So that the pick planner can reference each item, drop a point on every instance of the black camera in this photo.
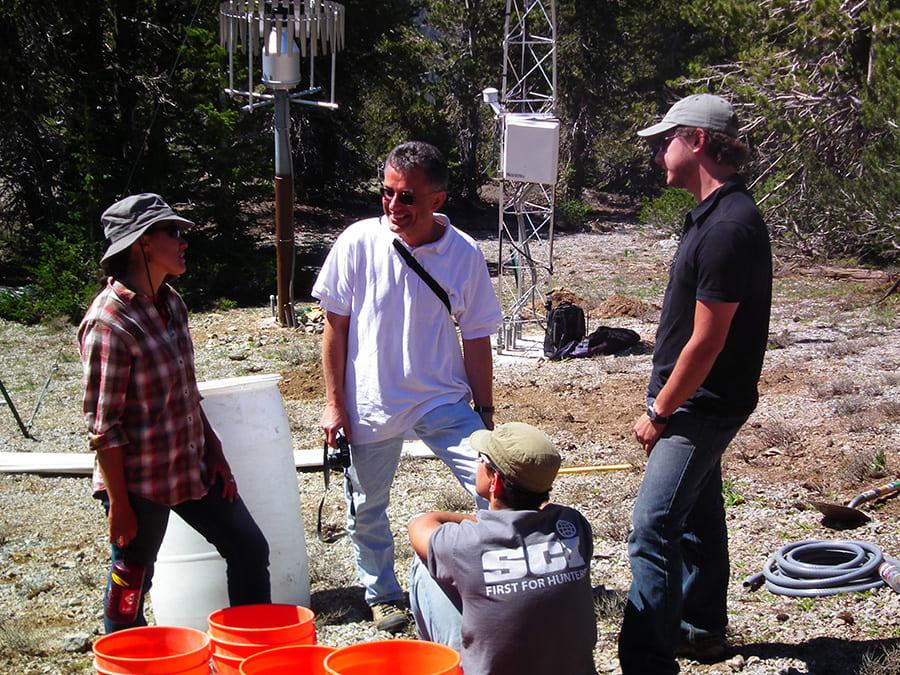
(333, 459)
(337, 459)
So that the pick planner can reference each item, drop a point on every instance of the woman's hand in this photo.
(219, 468)
(122, 524)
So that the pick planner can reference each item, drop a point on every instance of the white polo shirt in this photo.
(403, 351)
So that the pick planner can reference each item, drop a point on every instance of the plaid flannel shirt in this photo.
(140, 393)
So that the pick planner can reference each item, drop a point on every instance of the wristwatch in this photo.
(655, 417)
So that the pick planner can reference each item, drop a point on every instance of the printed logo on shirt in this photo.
(543, 562)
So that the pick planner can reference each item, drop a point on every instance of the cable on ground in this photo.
(817, 567)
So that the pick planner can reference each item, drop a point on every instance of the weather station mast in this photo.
(529, 131)
(283, 32)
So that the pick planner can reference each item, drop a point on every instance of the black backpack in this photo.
(605, 340)
(565, 329)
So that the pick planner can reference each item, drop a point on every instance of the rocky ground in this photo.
(826, 429)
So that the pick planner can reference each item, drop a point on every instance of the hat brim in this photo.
(480, 440)
(657, 129)
(125, 242)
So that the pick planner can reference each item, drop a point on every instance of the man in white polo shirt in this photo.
(391, 354)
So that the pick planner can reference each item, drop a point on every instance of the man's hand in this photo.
(334, 418)
(488, 419)
(421, 528)
(647, 433)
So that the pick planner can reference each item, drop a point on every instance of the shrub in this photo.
(666, 213)
(571, 213)
(64, 281)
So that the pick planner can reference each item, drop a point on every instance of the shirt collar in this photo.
(698, 214)
(439, 246)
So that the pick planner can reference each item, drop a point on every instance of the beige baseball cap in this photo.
(521, 452)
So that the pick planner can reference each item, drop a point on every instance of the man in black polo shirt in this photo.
(707, 361)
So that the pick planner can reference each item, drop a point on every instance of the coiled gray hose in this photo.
(820, 567)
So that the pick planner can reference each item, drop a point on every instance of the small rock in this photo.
(846, 617)
(76, 642)
(736, 663)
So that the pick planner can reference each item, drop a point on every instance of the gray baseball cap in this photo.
(126, 220)
(704, 111)
(522, 452)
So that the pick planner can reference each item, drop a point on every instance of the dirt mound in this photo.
(616, 306)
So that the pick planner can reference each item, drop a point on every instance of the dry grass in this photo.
(17, 638)
(828, 389)
(775, 433)
(609, 604)
(865, 465)
(885, 663)
(615, 526)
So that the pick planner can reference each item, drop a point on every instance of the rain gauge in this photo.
(283, 33)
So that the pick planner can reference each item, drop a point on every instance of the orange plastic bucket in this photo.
(393, 657)
(263, 624)
(227, 665)
(240, 651)
(221, 646)
(152, 650)
(306, 659)
(202, 669)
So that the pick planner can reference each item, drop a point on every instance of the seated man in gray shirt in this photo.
(509, 588)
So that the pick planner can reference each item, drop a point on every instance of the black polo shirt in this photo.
(724, 256)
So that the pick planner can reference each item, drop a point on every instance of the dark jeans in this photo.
(226, 525)
(678, 547)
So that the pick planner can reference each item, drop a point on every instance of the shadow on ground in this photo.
(844, 657)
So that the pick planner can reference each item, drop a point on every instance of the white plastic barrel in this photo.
(248, 415)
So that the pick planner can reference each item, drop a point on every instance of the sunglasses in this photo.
(172, 230)
(405, 198)
(484, 459)
(664, 143)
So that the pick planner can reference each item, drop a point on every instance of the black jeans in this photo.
(226, 525)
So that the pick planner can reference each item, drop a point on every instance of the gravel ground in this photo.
(826, 428)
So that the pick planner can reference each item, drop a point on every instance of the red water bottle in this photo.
(125, 590)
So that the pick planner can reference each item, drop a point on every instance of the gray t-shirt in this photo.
(525, 583)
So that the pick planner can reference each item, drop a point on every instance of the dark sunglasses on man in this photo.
(405, 198)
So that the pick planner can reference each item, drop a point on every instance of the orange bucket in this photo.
(202, 669)
(306, 659)
(263, 624)
(394, 657)
(227, 665)
(245, 649)
(152, 650)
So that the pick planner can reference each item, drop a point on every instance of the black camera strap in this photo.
(422, 272)
(326, 473)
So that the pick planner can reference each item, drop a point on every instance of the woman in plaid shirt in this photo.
(155, 448)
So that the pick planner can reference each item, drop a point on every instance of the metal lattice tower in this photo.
(282, 32)
(529, 155)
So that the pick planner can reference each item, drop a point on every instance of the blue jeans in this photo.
(678, 547)
(436, 607)
(367, 486)
(226, 525)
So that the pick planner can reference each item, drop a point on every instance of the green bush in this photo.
(666, 213)
(571, 214)
(64, 281)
